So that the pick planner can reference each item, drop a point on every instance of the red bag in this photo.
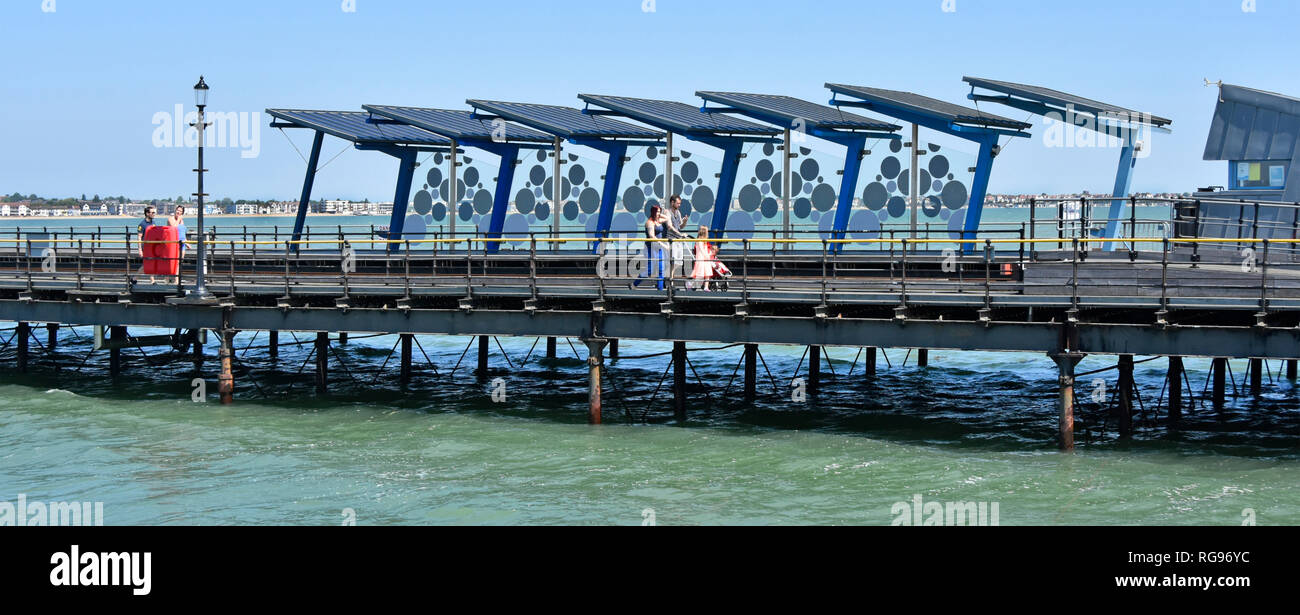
(161, 258)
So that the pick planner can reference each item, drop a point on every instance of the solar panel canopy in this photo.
(925, 105)
(354, 126)
(1063, 99)
(793, 109)
(677, 116)
(456, 124)
(564, 121)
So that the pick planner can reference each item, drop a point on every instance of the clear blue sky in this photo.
(81, 85)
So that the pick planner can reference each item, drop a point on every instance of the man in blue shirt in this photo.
(139, 236)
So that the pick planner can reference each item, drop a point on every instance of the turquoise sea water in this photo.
(973, 427)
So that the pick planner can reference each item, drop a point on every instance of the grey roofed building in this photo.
(1256, 133)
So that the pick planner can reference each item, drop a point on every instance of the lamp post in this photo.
(200, 292)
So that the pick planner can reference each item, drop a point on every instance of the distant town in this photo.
(32, 206)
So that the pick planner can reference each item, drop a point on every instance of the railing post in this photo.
(1075, 277)
(823, 272)
(1263, 282)
(1164, 276)
(903, 297)
(232, 268)
(988, 274)
(744, 269)
(532, 263)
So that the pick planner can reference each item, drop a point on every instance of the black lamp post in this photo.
(200, 292)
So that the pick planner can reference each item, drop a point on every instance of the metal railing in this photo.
(995, 272)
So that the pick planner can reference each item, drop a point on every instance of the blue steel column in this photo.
(726, 187)
(501, 203)
(609, 195)
(848, 188)
(979, 189)
(307, 183)
(1123, 183)
(402, 198)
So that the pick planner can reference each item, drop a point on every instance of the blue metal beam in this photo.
(307, 183)
(726, 187)
(979, 190)
(1123, 183)
(848, 187)
(402, 198)
(609, 195)
(509, 153)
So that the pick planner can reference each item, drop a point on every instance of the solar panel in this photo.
(676, 116)
(352, 126)
(459, 125)
(925, 105)
(793, 109)
(565, 121)
(1062, 99)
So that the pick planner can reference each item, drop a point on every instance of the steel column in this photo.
(501, 202)
(24, 331)
(118, 336)
(609, 195)
(1065, 364)
(726, 188)
(52, 336)
(979, 189)
(273, 346)
(401, 198)
(814, 367)
(1126, 395)
(305, 201)
(595, 363)
(483, 357)
(679, 381)
(1220, 375)
(1175, 389)
(322, 362)
(1123, 183)
(848, 188)
(550, 348)
(870, 365)
(1256, 377)
(923, 358)
(751, 372)
(226, 379)
(405, 368)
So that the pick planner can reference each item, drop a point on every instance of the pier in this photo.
(1062, 297)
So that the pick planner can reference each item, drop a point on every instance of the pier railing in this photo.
(1261, 275)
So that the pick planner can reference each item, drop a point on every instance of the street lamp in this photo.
(200, 292)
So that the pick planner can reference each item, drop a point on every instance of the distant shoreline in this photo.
(188, 217)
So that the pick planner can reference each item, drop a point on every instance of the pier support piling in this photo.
(595, 363)
(679, 381)
(751, 372)
(1175, 390)
(923, 358)
(870, 365)
(1256, 377)
(814, 367)
(1126, 396)
(1065, 364)
(483, 357)
(1220, 375)
(24, 332)
(117, 335)
(273, 348)
(343, 338)
(550, 348)
(613, 349)
(52, 336)
(1291, 366)
(407, 338)
(322, 362)
(226, 381)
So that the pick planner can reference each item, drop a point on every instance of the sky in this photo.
(86, 83)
